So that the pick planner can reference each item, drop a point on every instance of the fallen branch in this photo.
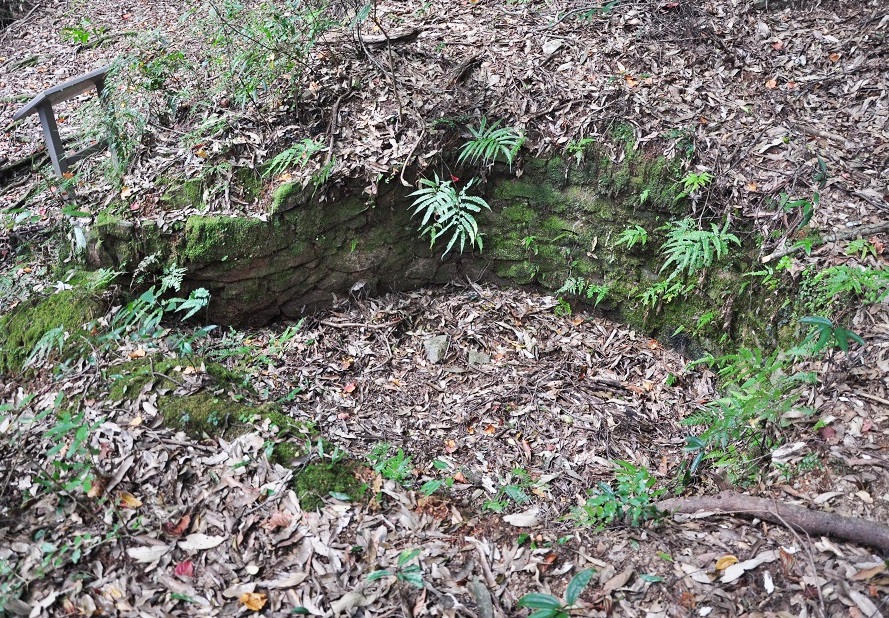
(861, 230)
(818, 523)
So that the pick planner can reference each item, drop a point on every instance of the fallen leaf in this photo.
(150, 553)
(450, 446)
(126, 192)
(281, 519)
(833, 57)
(873, 571)
(725, 562)
(778, 45)
(771, 84)
(618, 581)
(129, 501)
(254, 601)
(198, 541)
(179, 528)
(524, 519)
(350, 387)
(184, 569)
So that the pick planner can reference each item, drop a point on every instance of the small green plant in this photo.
(579, 286)
(82, 34)
(837, 283)
(562, 308)
(489, 142)
(861, 248)
(397, 467)
(762, 394)
(447, 211)
(824, 331)
(264, 47)
(663, 291)
(577, 147)
(430, 487)
(693, 182)
(631, 500)
(514, 490)
(295, 156)
(548, 606)
(806, 208)
(404, 572)
(632, 236)
(689, 249)
(530, 244)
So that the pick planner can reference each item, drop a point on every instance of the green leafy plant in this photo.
(562, 308)
(662, 291)
(824, 331)
(263, 47)
(631, 500)
(295, 156)
(579, 286)
(689, 249)
(578, 147)
(762, 395)
(693, 182)
(514, 490)
(805, 207)
(430, 487)
(548, 606)
(842, 282)
(489, 142)
(861, 248)
(404, 572)
(632, 236)
(397, 467)
(446, 211)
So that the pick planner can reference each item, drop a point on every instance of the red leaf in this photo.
(184, 569)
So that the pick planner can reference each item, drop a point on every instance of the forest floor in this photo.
(526, 411)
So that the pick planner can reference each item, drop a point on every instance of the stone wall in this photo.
(549, 219)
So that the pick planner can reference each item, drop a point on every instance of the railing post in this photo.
(53, 142)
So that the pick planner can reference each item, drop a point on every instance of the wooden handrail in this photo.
(42, 106)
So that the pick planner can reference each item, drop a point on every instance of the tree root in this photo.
(861, 531)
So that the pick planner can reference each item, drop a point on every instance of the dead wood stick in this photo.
(861, 531)
(861, 230)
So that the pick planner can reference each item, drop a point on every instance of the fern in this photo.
(693, 182)
(51, 339)
(446, 211)
(490, 142)
(297, 155)
(871, 285)
(632, 236)
(689, 249)
(578, 286)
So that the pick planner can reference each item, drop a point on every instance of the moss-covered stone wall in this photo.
(549, 220)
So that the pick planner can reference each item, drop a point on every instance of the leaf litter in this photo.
(764, 93)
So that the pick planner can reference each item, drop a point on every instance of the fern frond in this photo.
(490, 142)
(444, 211)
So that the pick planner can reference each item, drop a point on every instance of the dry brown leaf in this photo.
(725, 562)
(129, 501)
(254, 601)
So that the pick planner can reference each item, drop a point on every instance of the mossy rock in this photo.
(24, 326)
(205, 415)
(316, 481)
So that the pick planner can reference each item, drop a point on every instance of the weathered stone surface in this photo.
(555, 220)
(436, 347)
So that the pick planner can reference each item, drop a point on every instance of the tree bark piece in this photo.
(861, 531)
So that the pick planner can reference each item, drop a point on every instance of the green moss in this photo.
(520, 273)
(205, 414)
(211, 239)
(250, 182)
(315, 482)
(536, 192)
(23, 327)
(285, 195)
(128, 379)
(519, 212)
(182, 193)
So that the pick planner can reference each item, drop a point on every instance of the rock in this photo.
(436, 347)
(478, 358)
